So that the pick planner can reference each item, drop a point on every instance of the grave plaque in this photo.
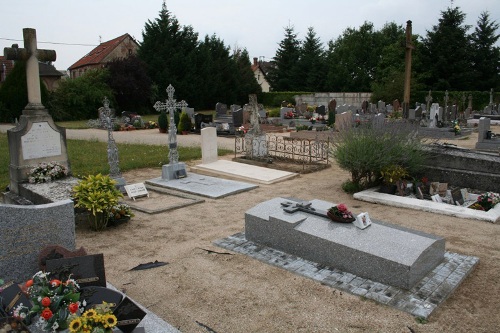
(95, 295)
(11, 296)
(86, 270)
(136, 190)
(128, 315)
(41, 141)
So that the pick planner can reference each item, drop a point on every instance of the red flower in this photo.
(342, 207)
(45, 301)
(73, 307)
(29, 283)
(55, 283)
(425, 180)
(46, 314)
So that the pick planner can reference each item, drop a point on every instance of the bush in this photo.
(163, 120)
(184, 122)
(365, 151)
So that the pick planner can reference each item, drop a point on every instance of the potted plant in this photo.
(97, 194)
(340, 213)
(184, 123)
(163, 122)
(392, 175)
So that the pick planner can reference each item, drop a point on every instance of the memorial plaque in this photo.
(86, 270)
(128, 315)
(11, 296)
(456, 194)
(95, 295)
(41, 141)
(362, 221)
(136, 190)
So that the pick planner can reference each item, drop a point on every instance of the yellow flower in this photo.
(91, 313)
(75, 325)
(108, 320)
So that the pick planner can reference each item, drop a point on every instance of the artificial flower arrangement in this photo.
(46, 172)
(53, 300)
(340, 213)
(119, 212)
(151, 124)
(289, 115)
(241, 130)
(456, 127)
(486, 201)
(99, 319)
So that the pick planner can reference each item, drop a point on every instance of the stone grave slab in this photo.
(385, 253)
(205, 186)
(161, 200)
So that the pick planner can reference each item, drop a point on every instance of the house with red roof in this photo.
(120, 47)
(260, 69)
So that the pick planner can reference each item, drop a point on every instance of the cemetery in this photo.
(166, 270)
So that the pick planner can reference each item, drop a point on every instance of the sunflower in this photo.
(75, 325)
(109, 320)
(90, 313)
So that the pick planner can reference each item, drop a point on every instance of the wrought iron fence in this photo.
(298, 150)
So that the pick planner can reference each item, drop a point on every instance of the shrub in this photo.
(365, 151)
(163, 120)
(184, 122)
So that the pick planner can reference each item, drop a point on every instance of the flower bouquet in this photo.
(486, 201)
(53, 300)
(119, 213)
(46, 172)
(340, 213)
(98, 319)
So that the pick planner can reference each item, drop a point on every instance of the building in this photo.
(49, 75)
(120, 47)
(260, 69)
(6, 67)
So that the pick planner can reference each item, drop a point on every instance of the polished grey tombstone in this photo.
(382, 252)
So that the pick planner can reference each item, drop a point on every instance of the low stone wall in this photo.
(26, 230)
(464, 168)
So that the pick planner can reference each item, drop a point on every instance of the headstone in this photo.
(86, 270)
(433, 115)
(237, 117)
(209, 145)
(440, 114)
(221, 109)
(381, 106)
(200, 118)
(341, 109)
(411, 114)
(108, 120)
(321, 110)
(235, 107)
(396, 105)
(174, 169)
(26, 230)
(343, 121)
(36, 138)
(301, 109)
(389, 108)
(364, 106)
(384, 253)
(284, 104)
(332, 105)
(488, 109)
(190, 113)
(255, 138)
(483, 129)
(378, 121)
(418, 112)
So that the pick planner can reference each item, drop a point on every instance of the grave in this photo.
(36, 138)
(343, 121)
(485, 139)
(341, 255)
(255, 137)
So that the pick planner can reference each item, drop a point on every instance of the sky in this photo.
(257, 25)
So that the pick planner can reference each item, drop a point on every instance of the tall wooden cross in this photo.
(31, 55)
(170, 106)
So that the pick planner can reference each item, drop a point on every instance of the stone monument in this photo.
(174, 169)
(36, 138)
(255, 138)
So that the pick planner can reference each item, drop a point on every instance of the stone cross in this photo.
(491, 96)
(32, 56)
(107, 120)
(170, 106)
(305, 207)
(428, 100)
(253, 108)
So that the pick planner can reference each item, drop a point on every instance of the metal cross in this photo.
(108, 120)
(170, 106)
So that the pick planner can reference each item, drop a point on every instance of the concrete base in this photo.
(372, 195)
(172, 171)
(489, 145)
(385, 253)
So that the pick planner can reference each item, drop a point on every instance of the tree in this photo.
(283, 76)
(485, 55)
(14, 93)
(80, 98)
(446, 53)
(247, 84)
(169, 51)
(130, 83)
(311, 64)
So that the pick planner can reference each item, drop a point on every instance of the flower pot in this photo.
(339, 219)
(184, 132)
(389, 189)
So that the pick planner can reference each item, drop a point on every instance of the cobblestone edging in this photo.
(420, 301)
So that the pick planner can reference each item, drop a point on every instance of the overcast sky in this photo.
(257, 25)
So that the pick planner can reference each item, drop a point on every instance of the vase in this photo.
(339, 219)
(389, 189)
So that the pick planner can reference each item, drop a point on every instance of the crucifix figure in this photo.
(170, 106)
(108, 120)
(32, 56)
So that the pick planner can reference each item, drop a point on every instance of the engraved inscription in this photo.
(41, 141)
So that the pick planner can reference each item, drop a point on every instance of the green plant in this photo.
(184, 122)
(163, 120)
(97, 194)
(349, 187)
(393, 173)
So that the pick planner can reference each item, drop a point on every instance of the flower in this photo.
(51, 299)
(118, 212)
(341, 211)
(29, 283)
(73, 307)
(98, 319)
(46, 172)
(486, 201)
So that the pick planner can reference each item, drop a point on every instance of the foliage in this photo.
(184, 122)
(365, 151)
(14, 94)
(350, 187)
(130, 83)
(53, 300)
(79, 98)
(284, 74)
(486, 201)
(99, 319)
(163, 120)
(47, 172)
(97, 194)
(393, 173)
(311, 64)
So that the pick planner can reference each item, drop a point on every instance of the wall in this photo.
(350, 98)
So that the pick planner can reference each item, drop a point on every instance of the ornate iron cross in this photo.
(107, 120)
(170, 106)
